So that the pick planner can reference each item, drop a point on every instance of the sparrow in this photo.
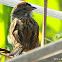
(24, 30)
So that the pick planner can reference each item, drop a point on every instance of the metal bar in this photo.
(38, 52)
(45, 17)
(53, 57)
(50, 12)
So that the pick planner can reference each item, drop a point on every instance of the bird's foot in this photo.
(16, 51)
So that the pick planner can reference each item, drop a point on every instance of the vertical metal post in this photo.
(43, 41)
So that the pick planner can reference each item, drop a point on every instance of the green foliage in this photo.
(4, 26)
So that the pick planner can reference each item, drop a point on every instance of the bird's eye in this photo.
(24, 8)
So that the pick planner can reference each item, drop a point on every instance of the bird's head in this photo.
(22, 9)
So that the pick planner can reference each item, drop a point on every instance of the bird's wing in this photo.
(13, 25)
(14, 29)
(35, 34)
(30, 30)
(26, 32)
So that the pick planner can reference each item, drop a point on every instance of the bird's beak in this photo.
(33, 8)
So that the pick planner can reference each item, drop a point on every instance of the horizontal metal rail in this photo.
(44, 53)
(40, 10)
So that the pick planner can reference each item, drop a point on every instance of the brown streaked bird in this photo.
(24, 30)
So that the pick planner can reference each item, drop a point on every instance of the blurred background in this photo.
(53, 28)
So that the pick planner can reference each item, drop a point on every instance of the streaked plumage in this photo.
(24, 29)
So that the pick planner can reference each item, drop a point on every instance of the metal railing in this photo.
(49, 53)
(50, 12)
